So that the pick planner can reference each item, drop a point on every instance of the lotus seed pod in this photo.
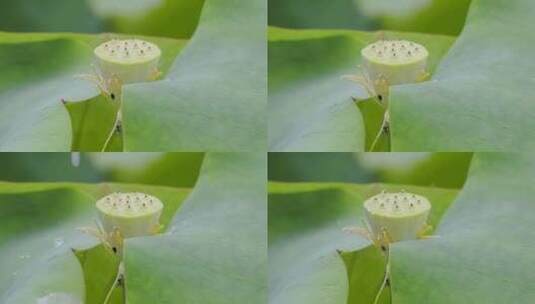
(130, 60)
(133, 214)
(396, 61)
(401, 215)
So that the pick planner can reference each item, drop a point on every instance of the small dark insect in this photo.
(388, 282)
(114, 249)
(112, 96)
(380, 97)
(383, 248)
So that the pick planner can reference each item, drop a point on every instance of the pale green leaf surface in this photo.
(481, 96)
(37, 73)
(484, 252)
(215, 250)
(214, 98)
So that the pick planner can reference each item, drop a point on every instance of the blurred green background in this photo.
(426, 16)
(164, 18)
(444, 170)
(167, 169)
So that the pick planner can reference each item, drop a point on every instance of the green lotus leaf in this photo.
(481, 96)
(215, 244)
(484, 240)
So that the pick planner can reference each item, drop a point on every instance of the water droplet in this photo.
(172, 230)
(58, 242)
